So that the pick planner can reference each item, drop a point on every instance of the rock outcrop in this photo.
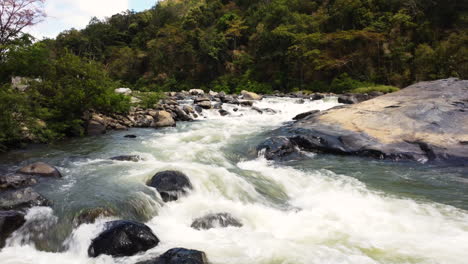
(170, 184)
(123, 238)
(424, 122)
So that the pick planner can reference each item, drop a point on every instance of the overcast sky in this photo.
(66, 14)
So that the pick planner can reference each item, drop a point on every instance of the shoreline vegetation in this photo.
(266, 47)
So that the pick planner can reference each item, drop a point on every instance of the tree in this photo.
(15, 15)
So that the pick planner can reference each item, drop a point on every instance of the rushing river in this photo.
(324, 210)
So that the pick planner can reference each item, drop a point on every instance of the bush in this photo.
(149, 99)
(377, 88)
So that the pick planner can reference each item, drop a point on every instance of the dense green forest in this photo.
(262, 46)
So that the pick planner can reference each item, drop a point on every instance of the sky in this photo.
(67, 14)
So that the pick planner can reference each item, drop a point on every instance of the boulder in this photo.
(22, 199)
(278, 148)
(201, 99)
(425, 122)
(96, 126)
(134, 158)
(179, 256)
(229, 99)
(356, 98)
(170, 184)
(212, 93)
(10, 221)
(205, 105)
(317, 96)
(250, 96)
(163, 119)
(16, 181)
(246, 103)
(181, 115)
(215, 221)
(306, 114)
(89, 216)
(124, 91)
(130, 136)
(40, 169)
(199, 109)
(258, 110)
(300, 101)
(188, 109)
(123, 238)
(223, 112)
(196, 92)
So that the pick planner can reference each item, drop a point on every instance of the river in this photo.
(324, 210)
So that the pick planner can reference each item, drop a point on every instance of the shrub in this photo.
(376, 88)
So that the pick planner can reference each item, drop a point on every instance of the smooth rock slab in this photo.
(170, 184)
(179, 256)
(123, 238)
(40, 169)
(10, 221)
(215, 221)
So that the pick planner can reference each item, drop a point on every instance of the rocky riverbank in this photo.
(425, 122)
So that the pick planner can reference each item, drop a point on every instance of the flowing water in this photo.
(327, 209)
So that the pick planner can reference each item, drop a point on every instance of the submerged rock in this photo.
(130, 136)
(277, 148)
(223, 112)
(40, 169)
(179, 256)
(215, 220)
(22, 199)
(16, 181)
(134, 158)
(170, 184)
(123, 238)
(423, 122)
(89, 216)
(10, 221)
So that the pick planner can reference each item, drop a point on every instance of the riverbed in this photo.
(324, 209)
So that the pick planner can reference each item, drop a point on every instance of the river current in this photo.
(324, 210)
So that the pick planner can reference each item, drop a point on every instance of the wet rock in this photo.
(205, 105)
(201, 99)
(134, 158)
(181, 115)
(10, 221)
(246, 103)
(179, 256)
(188, 109)
(223, 112)
(277, 148)
(300, 101)
(16, 181)
(235, 109)
(258, 110)
(40, 169)
(250, 96)
(130, 136)
(218, 106)
(198, 109)
(317, 96)
(353, 98)
(170, 184)
(22, 199)
(89, 216)
(269, 111)
(215, 221)
(163, 119)
(306, 114)
(123, 238)
(229, 99)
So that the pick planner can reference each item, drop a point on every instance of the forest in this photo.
(261, 46)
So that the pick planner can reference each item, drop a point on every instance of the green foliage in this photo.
(376, 88)
(14, 111)
(149, 99)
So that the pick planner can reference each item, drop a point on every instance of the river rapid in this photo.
(324, 210)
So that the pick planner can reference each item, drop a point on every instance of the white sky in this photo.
(67, 14)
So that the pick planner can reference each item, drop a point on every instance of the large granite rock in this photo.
(424, 122)
(40, 169)
(123, 238)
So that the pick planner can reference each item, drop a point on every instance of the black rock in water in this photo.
(306, 114)
(223, 112)
(179, 256)
(277, 148)
(170, 184)
(134, 158)
(22, 199)
(10, 221)
(215, 220)
(130, 136)
(123, 238)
